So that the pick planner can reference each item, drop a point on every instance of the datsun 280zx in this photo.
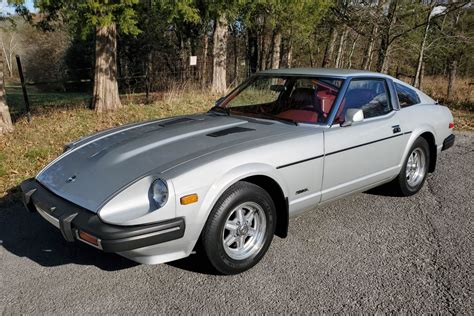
(283, 142)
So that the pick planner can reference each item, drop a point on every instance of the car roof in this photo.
(339, 73)
(333, 72)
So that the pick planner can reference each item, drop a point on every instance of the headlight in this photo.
(159, 191)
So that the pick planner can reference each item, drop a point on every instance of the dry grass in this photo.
(463, 98)
(31, 146)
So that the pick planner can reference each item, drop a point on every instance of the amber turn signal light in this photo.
(189, 199)
(88, 238)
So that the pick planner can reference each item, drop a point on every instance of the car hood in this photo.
(97, 167)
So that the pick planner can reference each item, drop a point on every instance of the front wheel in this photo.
(414, 171)
(240, 228)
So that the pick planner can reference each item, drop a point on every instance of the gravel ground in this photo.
(366, 253)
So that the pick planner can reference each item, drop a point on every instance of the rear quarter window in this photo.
(406, 96)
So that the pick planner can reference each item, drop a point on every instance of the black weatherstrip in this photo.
(341, 150)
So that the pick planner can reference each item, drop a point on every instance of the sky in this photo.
(5, 9)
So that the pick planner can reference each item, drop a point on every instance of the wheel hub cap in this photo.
(244, 231)
(415, 169)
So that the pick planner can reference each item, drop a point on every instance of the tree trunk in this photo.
(368, 53)
(382, 53)
(354, 43)
(417, 79)
(289, 54)
(386, 41)
(386, 61)
(236, 56)
(252, 51)
(329, 47)
(205, 47)
(106, 95)
(452, 79)
(340, 50)
(219, 50)
(264, 47)
(422, 75)
(5, 118)
(276, 50)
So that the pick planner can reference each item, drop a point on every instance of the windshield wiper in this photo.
(220, 109)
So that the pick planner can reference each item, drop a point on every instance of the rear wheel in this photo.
(240, 228)
(414, 171)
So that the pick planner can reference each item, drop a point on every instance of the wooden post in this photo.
(5, 118)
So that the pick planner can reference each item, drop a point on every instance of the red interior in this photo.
(302, 116)
(326, 100)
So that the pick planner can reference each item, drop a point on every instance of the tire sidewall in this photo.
(406, 189)
(212, 238)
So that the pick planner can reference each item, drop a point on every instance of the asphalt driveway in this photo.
(367, 253)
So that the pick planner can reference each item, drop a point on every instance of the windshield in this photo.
(295, 99)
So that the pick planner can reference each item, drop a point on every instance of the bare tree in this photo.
(276, 43)
(9, 44)
(351, 53)
(340, 50)
(329, 47)
(205, 46)
(418, 73)
(366, 62)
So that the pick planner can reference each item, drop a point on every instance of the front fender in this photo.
(196, 216)
(233, 176)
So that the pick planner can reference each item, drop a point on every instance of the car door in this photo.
(366, 152)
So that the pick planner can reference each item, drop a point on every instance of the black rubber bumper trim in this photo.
(113, 238)
(448, 142)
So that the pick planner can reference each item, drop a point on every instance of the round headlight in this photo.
(159, 191)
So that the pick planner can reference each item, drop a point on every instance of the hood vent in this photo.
(176, 121)
(232, 130)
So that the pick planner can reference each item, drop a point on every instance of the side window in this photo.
(406, 96)
(370, 95)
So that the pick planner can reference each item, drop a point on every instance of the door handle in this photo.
(396, 129)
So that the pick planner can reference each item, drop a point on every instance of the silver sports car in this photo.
(283, 142)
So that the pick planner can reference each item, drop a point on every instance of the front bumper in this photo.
(72, 219)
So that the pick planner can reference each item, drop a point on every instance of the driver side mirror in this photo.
(353, 116)
(219, 101)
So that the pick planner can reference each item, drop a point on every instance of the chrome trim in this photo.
(51, 219)
(99, 241)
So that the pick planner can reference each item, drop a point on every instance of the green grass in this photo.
(38, 98)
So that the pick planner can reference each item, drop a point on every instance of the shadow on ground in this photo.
(384, 190)
(28, 235)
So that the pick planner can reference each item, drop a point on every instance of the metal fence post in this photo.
(23, 86)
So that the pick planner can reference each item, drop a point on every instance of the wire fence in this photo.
(139, 87)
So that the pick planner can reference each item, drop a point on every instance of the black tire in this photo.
(401, 183)
(213, 232)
